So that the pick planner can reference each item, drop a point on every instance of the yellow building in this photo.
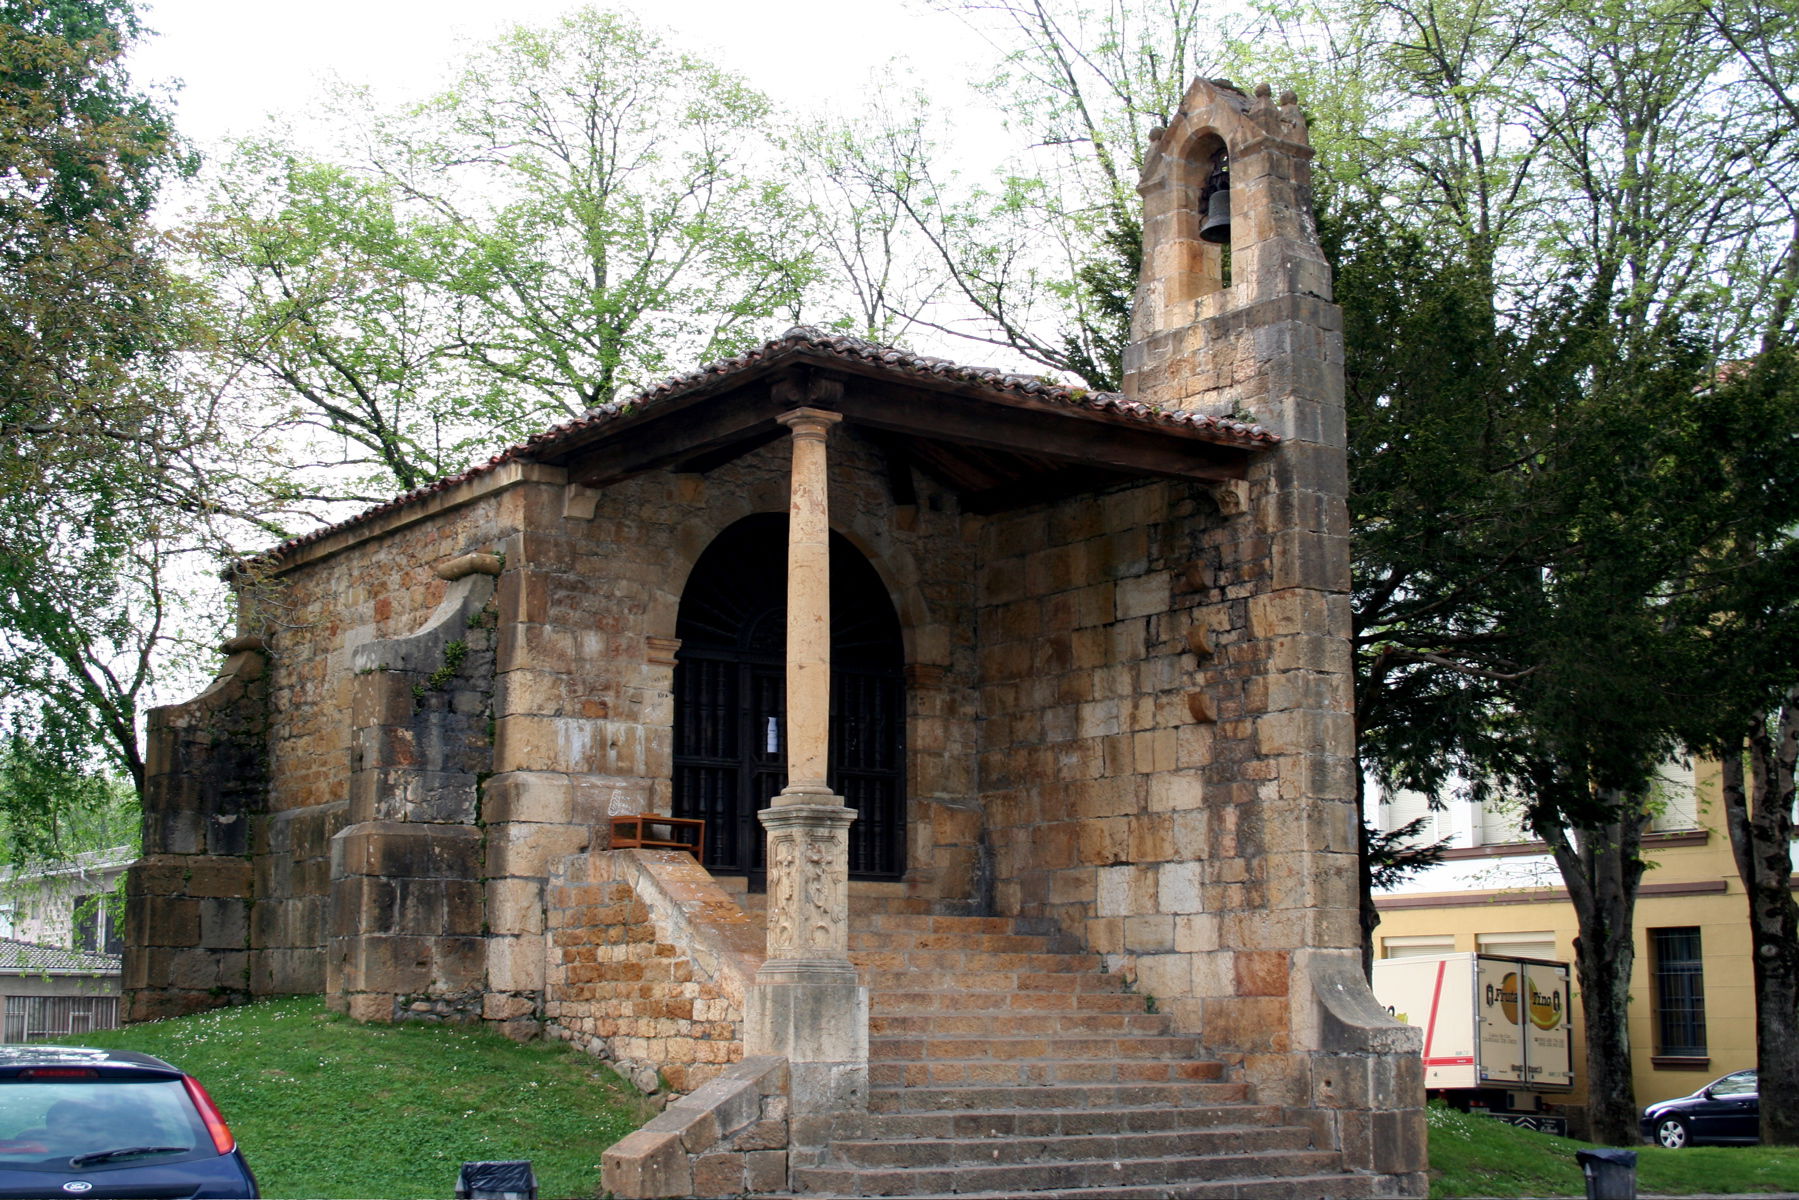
(1692, 1010)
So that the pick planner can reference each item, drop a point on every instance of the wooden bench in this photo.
(651, 831)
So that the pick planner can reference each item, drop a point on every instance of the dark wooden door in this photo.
(730, 752)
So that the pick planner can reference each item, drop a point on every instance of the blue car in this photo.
(1723, 1112)
(106, 1124)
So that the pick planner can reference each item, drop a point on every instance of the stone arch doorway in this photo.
(730, 691)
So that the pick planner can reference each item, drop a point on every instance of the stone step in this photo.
(1028, 1122)
(992, 981)
(1292, 1187)
(965, 1022)
(1056, 1096)
(955, 940)
(905, 1000)
(1063, 1148)
(937, 923)
(1026, 1178)
(1035, 1072)
(940, 1049)
(976, 962)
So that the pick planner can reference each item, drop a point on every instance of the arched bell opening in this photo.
(730, 736)
(1209, 175)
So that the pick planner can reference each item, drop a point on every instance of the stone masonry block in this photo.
(515, 906)
(379, 698)
(1164, 976)
(765, 1171)
(1289, 611)
(371, 1008)
(1304, 732)
(541, 796)
(1178, 887)
(222, 878)
(645, 1166)
(532, 850)
(169, 921)
(224, 924)
(1144, 596)
(718, 1175)
(400, 849)
(515, 964)
(1311, 560)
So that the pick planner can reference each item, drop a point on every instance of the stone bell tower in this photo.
(1244, 327)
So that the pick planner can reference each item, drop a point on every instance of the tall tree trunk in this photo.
(1759, 813)
(1602, 867)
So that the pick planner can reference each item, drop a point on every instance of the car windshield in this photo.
(45, 1124)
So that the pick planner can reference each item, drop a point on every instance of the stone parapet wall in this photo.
(189, 899)
(728, 1138)
(406, 906)
(649, 965)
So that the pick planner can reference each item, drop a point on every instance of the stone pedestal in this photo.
(808, 1005)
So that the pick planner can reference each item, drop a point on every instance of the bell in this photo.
(1216, 196)
(1216, 228)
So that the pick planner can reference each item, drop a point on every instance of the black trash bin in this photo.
(512, 1180)
(1611, 1174)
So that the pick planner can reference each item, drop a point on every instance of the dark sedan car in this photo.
(1726, 1110)
(110, 1123)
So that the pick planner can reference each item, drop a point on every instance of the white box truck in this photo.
(1496, 1034)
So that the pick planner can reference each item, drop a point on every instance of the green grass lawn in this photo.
(330, 1109)
(324, 1107)
(1478, 1156)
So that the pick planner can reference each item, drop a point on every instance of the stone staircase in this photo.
(1004, 1065)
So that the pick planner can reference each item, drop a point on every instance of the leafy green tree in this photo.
(80, 291)
(53, 807)
(1038, 256)
(1759, 813)
(322, 303)
(103, 475)
(584, 208)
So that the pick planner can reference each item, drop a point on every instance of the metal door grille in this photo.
(730, 752)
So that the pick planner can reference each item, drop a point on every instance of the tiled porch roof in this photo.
(815, 344)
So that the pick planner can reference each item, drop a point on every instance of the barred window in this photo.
(1679, 992)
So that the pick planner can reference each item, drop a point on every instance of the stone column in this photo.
(808, 1005)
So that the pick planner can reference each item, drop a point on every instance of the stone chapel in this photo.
(1000, 734)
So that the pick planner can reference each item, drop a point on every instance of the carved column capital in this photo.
(810, 422)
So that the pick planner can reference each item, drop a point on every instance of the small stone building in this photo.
(1013, 713)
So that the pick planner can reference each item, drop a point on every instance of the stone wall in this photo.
(649, 965)
(729, 1138)
(1090, 754)
(328, 601)
(406, 903)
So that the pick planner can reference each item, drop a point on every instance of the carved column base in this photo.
(808, 1005)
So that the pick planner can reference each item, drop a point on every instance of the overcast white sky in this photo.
(240, 59)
